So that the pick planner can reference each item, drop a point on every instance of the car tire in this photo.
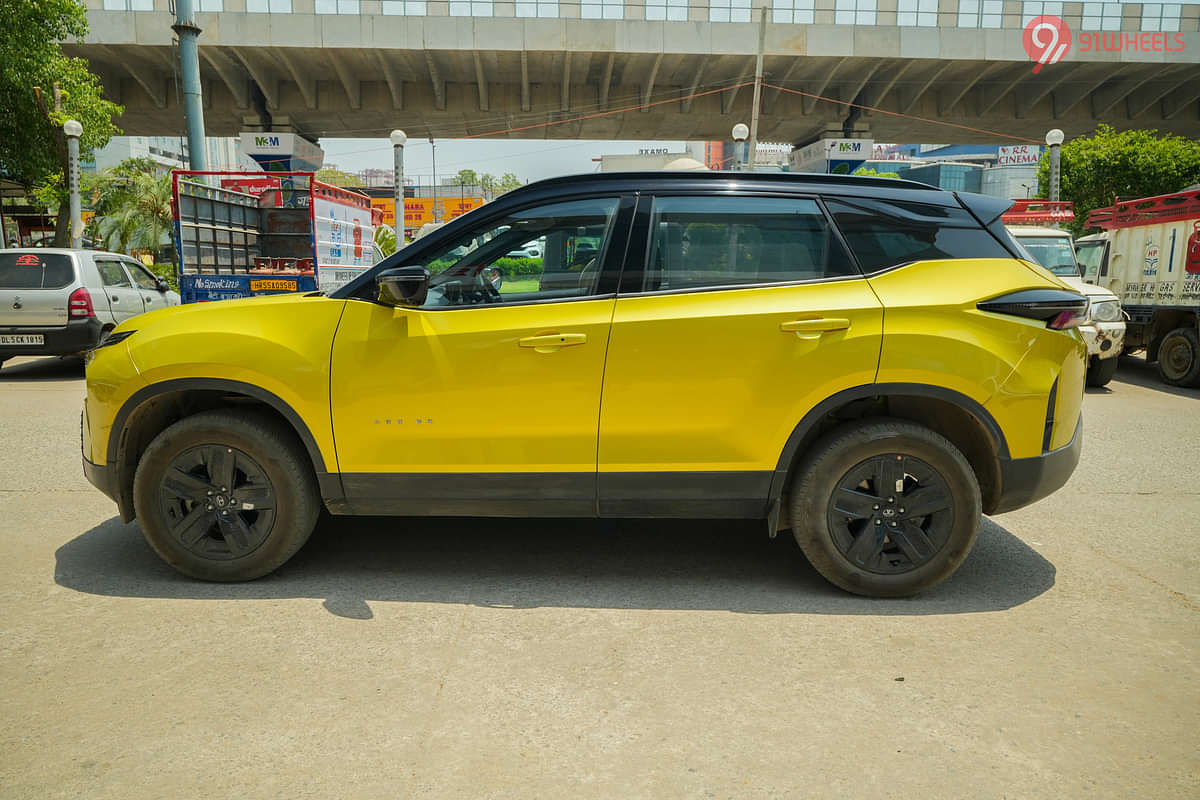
(844, 490)
(1101, 370)
(196, 469)
(1179, 357)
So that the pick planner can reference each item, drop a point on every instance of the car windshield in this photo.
(1052, 252)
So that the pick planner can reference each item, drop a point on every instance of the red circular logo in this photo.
(1047, 39)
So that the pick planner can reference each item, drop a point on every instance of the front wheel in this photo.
(225, 496)
(1101, 370)
(885, 508)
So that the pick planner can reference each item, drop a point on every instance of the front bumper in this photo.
(74, 337)
(1027, 480)
(1104, 339)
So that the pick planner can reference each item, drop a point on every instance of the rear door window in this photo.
(112, 274)
(884, 234)
(35, 271)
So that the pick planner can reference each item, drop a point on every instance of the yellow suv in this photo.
(865, 361)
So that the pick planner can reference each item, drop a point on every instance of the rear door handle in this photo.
(549, 342)
(817, 326)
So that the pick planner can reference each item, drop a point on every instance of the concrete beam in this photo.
(526, 104)
(1147, 98)
(267, 82)
(875, 93)
(1066, 99)
(307, 82)
(149, 77)
(910, 97)
(818, 87)
(728, 96)
(864, 76)
(565, 84)
(481, 82)
(606, 81)
(685, 107)
(988, 96)
(771, 97)
(948, 98)
(394, 82)
(231, 73)
(1029, 97)
(648, 87)
(349, 79)
(1183, 98)
(1108, 96)
(439, 85)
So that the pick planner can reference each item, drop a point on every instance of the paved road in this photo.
(399, 658)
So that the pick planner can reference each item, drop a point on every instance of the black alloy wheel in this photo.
(890, 514)
(217, 501)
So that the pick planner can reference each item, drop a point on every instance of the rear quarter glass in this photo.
(36, 271)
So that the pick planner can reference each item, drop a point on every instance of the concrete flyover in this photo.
(362, 74)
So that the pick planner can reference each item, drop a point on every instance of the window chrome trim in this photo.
(482, 306)
(725, 287)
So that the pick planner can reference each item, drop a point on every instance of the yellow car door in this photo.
(486, 398)
(746, 313)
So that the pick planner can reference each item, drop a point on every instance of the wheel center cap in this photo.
(889, 512)
(221, 501)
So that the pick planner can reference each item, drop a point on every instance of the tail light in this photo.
(79, 306)
(1059, 309)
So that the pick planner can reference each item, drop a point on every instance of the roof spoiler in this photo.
(986, 209)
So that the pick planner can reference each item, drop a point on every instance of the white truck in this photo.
(1104, 329)
(1149, 256)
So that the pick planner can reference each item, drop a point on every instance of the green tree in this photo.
(873, 174)
(133, 206)
(487, 184)
(336, 177)
(385, 237)
(507, 183)
(1098, 169)
(33, 149)
(465, 177)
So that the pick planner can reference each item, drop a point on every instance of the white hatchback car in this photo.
(56, 302)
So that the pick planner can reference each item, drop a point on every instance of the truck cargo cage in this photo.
(1146, 210)
(1039, 212)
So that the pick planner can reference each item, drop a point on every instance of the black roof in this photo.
(688, 176)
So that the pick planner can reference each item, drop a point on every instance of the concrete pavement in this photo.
(453, 658)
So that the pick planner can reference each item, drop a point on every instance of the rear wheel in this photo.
(225, 496)
(1179, 357)
(1101, 370)
(885, 508)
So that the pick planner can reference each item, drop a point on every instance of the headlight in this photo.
(1106, 311)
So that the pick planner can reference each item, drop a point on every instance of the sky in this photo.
(528, 159)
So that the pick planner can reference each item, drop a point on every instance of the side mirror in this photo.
(161, 285)
(403, 286)
(494, 276)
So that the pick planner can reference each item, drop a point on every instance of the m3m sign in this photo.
(266, 141)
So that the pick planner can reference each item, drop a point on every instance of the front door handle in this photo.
(549, 342)
(815, 326)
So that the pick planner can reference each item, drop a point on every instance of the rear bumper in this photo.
(1027, 480)
(102, 477)
(74, 337)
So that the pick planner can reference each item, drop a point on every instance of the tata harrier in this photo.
(867, 362)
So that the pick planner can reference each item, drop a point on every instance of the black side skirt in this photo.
(727, 495)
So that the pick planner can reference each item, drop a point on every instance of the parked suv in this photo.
(865, 361)
(56, 302)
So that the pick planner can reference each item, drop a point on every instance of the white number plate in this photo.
(33, 338)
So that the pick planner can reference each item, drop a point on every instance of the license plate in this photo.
(32, 338)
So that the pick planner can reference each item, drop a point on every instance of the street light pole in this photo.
(1054, 138)
(740, 132)
(74, 130)
(437, 217)
(399, 138)
(188, 31)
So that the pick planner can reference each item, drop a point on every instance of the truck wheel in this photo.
(226, 496)
(1101, 370)
(885, 508)
(1179, 357)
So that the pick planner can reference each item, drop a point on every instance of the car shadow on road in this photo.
(50, 368)
(625, 564)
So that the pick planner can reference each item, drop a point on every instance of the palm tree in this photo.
(133, 204)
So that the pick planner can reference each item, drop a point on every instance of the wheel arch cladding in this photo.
(153, 408)
(962, 420)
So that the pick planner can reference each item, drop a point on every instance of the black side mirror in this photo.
(403, 286)
(161, 285)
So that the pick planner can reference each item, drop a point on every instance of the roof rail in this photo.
(775, 177)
